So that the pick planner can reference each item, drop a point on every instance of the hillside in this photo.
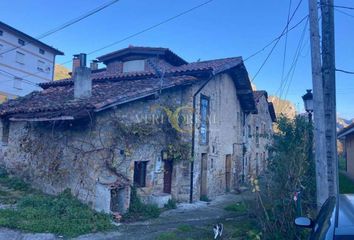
(282, 106)
(60, 72)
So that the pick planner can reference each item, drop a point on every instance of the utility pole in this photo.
(318, 107)
(329, 90)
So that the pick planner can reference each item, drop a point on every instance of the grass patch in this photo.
(346, 185)
(63, 215)
(184, 228)
(238, 207)
(167, 236)
(38, 212)
(204, 198)
(138, 210)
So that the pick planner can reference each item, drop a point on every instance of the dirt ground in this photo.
(190, 221)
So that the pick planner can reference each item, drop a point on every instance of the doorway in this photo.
(167, 176)
(228, 172)
(203, 175)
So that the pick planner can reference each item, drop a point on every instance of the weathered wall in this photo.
(224, 136)
(257, 154)
(86, 155)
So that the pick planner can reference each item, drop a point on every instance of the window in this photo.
(20, 57)
(204, 117)
(140, 173)
(257, 136)
(1, 33)
(5, 131)
(134, 66)
(249, 131)
(41, 51)
(40, 65)
(18, 83)
(21, 42)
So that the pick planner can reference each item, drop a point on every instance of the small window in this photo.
(134, 66)
(249, 131)
(40, 65)
(5, 131)
(21, 42)
(41, 51)
(18, 83)
(140, 173)
(1, 33)
(20, 57)
(204, 119)
(257, 136)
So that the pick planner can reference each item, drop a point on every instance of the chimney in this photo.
(82, 78)
(79, 60)
(94, 64)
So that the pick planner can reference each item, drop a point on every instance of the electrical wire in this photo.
(277, 41)
(138, 33)
(67, 24)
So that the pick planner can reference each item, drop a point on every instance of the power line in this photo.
(336, 6)
(277, 41)
(151, 27)
(344, 71)
(345, 13)
(274, 40)
(285, 47)
(139, 32)
(69, 23)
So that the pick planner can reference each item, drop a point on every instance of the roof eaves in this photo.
(346, 131)
(32, 39)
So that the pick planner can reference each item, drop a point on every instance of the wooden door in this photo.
(228, 172)
(204, 176)
(167, 177)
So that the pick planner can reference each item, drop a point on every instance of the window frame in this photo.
(140, 170)
(21, 42)
(201, 141)
(22, 60)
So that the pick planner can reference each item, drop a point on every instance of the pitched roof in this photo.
(56, 100)
(166, 53)
(346, 131)
(29, 38)
(59, 102)
(260, 93)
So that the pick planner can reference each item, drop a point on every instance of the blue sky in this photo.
(222, 28)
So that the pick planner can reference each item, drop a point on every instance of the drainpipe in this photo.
(193, 136)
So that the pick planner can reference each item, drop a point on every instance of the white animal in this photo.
(218, 228)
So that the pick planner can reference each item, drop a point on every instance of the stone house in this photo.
(346, 135)
(257, 135)
(148, 119)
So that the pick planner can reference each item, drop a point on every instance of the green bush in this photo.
(171, 204)
(139, 210)
(291, 168)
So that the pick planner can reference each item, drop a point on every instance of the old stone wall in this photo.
(95, 155)
(224, 139)
(258, 132)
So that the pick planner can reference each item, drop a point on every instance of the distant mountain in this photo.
(282, 106)
(60, 72)
(342, 123)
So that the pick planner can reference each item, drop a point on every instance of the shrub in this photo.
(139, 210)
(171, 204)
(290, 169)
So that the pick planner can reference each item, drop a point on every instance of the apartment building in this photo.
(24, 63)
